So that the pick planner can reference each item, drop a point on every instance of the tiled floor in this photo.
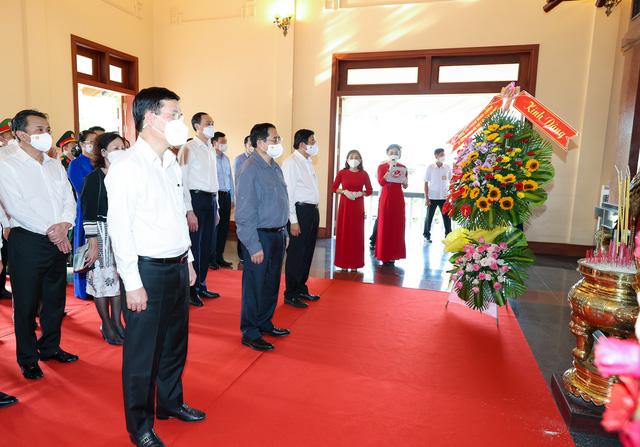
(543, 311)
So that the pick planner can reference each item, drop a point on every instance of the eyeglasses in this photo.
(276, 140)
(174, 115)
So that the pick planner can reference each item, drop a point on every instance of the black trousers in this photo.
(204, 206)
(300, 251)
(432, 211)
(38, 274)
(374, 234)
(4, 251)
(261, 284)
(222, 230)
(155, 345)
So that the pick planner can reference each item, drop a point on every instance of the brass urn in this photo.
(604, 300)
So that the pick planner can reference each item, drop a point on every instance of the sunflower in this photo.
(466, 176)
(465, 191)
(509, 178)
(532, 165)
(492, 136)
(472, 156)
(483, 204)
(494, 194)
(464, 164)
(493, 127)
(529, 185)
(475, 192)
(506, 203)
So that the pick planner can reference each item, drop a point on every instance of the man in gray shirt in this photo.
(262, 212)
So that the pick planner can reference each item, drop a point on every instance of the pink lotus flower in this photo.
(497, 285)
(618, 357)
(630, 434)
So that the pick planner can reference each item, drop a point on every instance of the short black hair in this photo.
(260, 132)
(150, 99)
(217, 136)
(302, 136)
(102, 142)
(197, 118)
(19, 122)
(96, 129)
(438, 151)
(85, 134)
(394, 146)
(247, 139)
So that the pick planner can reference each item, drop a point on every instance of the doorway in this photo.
(102, 107)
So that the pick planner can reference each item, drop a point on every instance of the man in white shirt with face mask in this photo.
(436, 188)
(148, 229)
(37, 197)
(200, 177)
(304, 219)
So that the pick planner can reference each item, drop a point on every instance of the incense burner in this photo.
(604, 300)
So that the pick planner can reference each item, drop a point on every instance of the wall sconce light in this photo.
(283, 23)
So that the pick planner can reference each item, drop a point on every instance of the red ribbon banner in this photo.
(466, 133)
(545, 119)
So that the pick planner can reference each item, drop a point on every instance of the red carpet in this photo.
(367, 365)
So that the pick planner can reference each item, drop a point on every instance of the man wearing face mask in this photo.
(148, 228)
(304, 219)
(262, 211)
(66, 144)
(226, 200)
(35, 193)
(78, 170)
(200, 179)
(5, 132)
(436, 187)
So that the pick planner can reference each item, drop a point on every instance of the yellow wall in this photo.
(226, 57)
(37, 49)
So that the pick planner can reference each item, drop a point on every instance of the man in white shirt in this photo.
(304, 219)
(5, 399)
(436, 188)
(150, 237)
(200, 179)
(37, 197)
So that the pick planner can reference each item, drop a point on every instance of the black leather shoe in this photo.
(5, 294)
(207, 294)
(277, 332)
(60, 356)
(296, 302)
(259, 344)
(184, 413)
(6, 400)
(309, 297)
(147, 439)
(214, 266)
(32, 371)
(195, 300)
(224, 264)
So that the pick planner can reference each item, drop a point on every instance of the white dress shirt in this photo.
(438, 179)
(199, 170)
(146, 215)
(34, 196)
(302, 184)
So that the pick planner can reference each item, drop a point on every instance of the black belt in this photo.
(271, 230)
(182, 259)
(28, 233)
(206, 193)
(312, 205)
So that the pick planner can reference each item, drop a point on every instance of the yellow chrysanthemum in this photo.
(492, 136)
(483, 204)
(506, 159)
(474, 193)
(506, 126)
(517, 150)
(532, 165)
(497, 140)
(500, 178)
(529, 185)
(506, 203)
(520, 194)
(493, 127)
(494, 194)
(495, 149)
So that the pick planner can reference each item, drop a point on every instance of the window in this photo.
(394, 75)
(85, 65)
(115, 74)
(479, 73)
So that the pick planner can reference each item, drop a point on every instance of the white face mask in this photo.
(312, 150)
(113, 156)
(41, 141)
(394, 157)
(440, 159)
(88, 148)
(275, 150)
(353, 163)
(209, 131)
(176, 132)
(223, 148)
